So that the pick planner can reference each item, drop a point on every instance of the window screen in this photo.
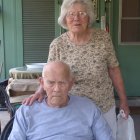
(38, 29)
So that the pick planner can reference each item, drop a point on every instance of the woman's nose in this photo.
(76, 16)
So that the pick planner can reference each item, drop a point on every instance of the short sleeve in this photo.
(19, 126)
(111, 55)
(100, 127)
(53, 52)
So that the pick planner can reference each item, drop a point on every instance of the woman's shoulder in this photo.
(99, 32)
(100, 35)
(60, 39)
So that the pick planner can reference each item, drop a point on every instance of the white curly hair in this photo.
(65, 7)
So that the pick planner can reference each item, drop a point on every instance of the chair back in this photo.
(11, 109)
(5, 98)
(3, 85)
(7, 129)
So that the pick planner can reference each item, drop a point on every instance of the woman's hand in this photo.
(39, 95)
(124, 106)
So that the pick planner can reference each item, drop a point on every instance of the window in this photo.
(130, 21)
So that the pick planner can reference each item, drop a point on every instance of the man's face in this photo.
(56, 83)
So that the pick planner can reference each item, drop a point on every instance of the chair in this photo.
(7, 129)
(5, 98)
(3, 85)
(11, 109)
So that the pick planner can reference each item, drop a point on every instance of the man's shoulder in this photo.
(35, 104)
(83, 100)
(84, 104)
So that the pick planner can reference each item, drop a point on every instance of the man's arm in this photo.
(19, 126)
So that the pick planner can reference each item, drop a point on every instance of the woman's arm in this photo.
(116, 77)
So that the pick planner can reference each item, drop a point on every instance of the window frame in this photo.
(119, 30)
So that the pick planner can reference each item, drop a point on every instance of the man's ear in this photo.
(71, 83)
(41, 81)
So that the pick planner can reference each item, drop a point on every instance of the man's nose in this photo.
(56, 87)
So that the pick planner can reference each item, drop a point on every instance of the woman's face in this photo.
(77, 18)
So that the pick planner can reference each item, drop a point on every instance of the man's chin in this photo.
(56, 98)
(57, 101)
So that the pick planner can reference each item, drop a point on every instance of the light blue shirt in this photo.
(79, 120)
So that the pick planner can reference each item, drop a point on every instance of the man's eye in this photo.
(50, 82)
(61, 82)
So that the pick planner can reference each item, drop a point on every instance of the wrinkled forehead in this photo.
(56, 70)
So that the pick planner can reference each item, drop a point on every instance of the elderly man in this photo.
(60, 116)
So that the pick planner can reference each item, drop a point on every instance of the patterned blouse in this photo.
(89, 63)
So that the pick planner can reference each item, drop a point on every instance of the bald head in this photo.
(57, 68)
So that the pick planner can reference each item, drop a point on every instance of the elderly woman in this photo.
(90, 54)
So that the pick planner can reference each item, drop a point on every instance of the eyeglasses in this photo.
(80, 14)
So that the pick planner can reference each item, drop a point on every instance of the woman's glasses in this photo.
(79, 14)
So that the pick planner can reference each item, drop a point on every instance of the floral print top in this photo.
(89, 63)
